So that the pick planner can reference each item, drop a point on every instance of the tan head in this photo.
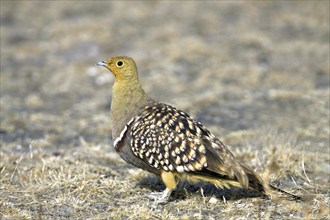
(123, 68)
(128, 95)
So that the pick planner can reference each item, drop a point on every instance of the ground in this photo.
(255, 73)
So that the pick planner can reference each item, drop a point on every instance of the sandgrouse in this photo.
(166, 141)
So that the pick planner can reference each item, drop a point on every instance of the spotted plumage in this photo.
(168, 139)
(168, 142)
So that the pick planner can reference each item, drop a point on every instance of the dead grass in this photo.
(255, 73)
(42, 185)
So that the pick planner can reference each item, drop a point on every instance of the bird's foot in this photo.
(160, 197)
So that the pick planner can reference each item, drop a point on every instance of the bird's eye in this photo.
(119, 63)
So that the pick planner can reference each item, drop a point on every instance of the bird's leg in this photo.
(180, 190)
(162, 197)
(180, 186)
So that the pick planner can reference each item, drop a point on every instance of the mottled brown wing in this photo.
(167, 138)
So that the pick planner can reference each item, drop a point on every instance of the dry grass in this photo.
(255, 73)
(88, 181)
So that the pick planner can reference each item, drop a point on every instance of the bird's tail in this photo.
(257, 183)
(292, 196)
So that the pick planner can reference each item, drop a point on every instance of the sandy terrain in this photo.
(255, 73)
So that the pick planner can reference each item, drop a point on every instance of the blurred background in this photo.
(255, 72)
(235, 65)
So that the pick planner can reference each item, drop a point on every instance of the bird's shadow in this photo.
(201, 188)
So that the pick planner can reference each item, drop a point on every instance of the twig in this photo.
(43, 165)
(294, 182)
(299, 187)
(224, 199)
(202, 192)
(303, 166)
(31, 151)
(17, 163)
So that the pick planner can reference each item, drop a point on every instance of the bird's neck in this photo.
(128, 97)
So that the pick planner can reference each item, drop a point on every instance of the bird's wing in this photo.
(169, 139)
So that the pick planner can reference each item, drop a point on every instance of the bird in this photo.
(168, 142)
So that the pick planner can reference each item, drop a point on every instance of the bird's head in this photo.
(123, 68)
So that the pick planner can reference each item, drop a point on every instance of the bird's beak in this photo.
(101, 63)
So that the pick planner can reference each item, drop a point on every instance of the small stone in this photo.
(213, 200)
